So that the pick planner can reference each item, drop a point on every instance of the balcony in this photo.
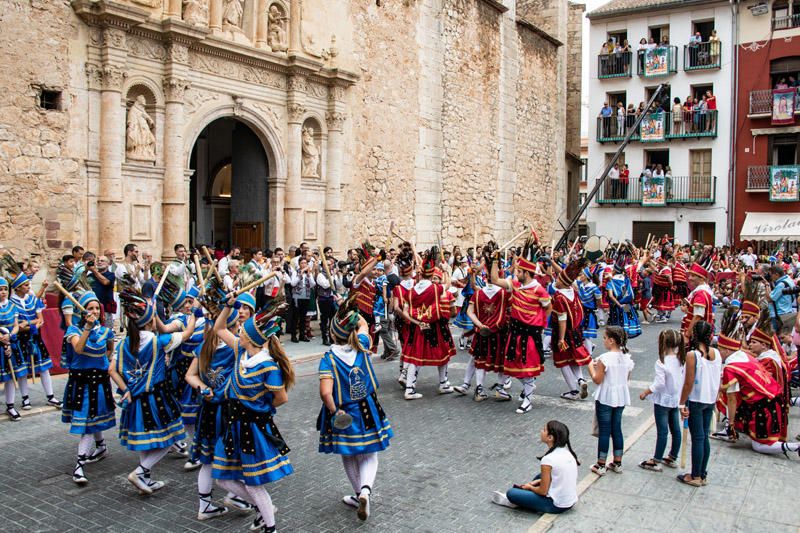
(660, 61)
(786, 22)
(758, 179)
(702, 56)
(616, 65)
(679, 190)
(761, 103)
(665, 126)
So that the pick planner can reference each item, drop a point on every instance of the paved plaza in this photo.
(447, 456)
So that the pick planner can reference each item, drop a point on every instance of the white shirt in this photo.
(564, 477)
(458, 274)
(613, 390)
(613, 173)
(668, 382)
(749, 260)
(129, 268)
(707, 376)
(736, 357)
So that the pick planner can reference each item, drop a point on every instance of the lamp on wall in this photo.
(761, 8)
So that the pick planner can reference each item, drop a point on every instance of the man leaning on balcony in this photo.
(605, 114)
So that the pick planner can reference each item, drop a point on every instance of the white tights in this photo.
(9, 390)
(572, 373)
(361, 470)
(469, 372)
(775, 448)
(149, 458)
(23, 386)
(47, 382)
(255, 495)
(413, 372)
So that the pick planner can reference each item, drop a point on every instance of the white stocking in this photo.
(262, 500)
(588, 345)
(9, 390)
(23, 386)
(368, 470)
(47, 382)
(577, 371)
(442, 373)
(480, 374)
(411, 376)
(236, 488)
(85, 445)
(527, 386)
(351, 469)
(546, 341)
(501, 378)
(149, 458)
(775, 448)
(98, 437)
(569, 377)
(204, 482)
(469, 372)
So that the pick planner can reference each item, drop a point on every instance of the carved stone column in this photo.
(295, 27)
(174, 8)
(112, 153)
(293, 211)
(174, 216)
(215, 15)
(333, 189)
(174, 204)
(261, 24)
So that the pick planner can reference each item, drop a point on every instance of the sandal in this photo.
(651, 465)
(691, 481)
(670, 462)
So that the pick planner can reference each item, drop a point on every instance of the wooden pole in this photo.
(513, 239)
(71, 298)
(256, 283)
(211, 263)
(161, 282)
(199, 274)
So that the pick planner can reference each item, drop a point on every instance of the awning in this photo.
(771, 227)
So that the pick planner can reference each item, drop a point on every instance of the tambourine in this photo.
(593, 248)
(38, 279)
(342, 421)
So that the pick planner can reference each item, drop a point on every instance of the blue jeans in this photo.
(667, 422)
(533, 502)
(699, 428)
(609, 422)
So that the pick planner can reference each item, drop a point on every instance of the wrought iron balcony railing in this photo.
(676, 190)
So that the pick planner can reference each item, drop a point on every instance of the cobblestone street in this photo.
(447, 456)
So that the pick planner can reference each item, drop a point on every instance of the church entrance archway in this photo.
(229, 188)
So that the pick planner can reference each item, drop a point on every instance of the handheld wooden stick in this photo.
(211, 264)
(517, 236)
(684, 442)
(328, 271)
(255, 283)
(389, 238)
(71, 298)
(199, 274)
(161, 282)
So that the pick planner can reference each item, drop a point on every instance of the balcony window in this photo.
(614, 65)
(761, 103)
(785, 16)
(659, 127)
(675, 190)
(657, 60)
(699, 55)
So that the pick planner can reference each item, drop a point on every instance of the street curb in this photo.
(546, 521)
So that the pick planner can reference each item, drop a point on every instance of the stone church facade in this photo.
(271, 122)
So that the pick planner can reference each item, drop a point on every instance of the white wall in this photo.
(616, 222)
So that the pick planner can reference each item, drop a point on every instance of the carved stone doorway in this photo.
(229, 184)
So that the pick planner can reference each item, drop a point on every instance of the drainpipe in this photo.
(734, 121)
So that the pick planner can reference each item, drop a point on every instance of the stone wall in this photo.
(41, 186)
(538, 154)
(574, 59)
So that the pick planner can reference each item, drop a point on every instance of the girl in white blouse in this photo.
(665, 392)
(611, 372)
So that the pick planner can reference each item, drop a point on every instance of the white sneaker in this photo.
(179, 448)
(363, 507)
(500, 499)
(237, 503)
(507, 383)
(155, 485)
(500, 395)
(412, 394)
(191, 465)
(480, 394)
(571, 395)
(461, 389)
(140, 482)
(350, 501)
(211, 511)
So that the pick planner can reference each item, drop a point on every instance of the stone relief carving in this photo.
(336, 93)
(113, 77)
(94, 75)
(195, 12)
(310, 163)
(140, 141)
(175, 88)
(146, 49)
(335, 120)
(178, 53)
(317, 90)
(271, 116)
(276, 29)
(148, 3)
(114, 37)
(227, 69)
(296, 112)
(196, 99)
(297, 83)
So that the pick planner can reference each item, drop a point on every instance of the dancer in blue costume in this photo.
(88, 403)
(151, 416)
(590, 296)
(34, 352)
(208, 375)
(251, 452)
(347, 386)
(13, 371)
(179, 363)
(621, 310)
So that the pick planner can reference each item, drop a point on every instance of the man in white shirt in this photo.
(222, 266)
(131, 266)
(749, 259)
(231, 279)
(182, 267)
(613, 177)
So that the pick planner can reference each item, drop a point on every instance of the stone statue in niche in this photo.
(310, 164)
(195, 12)
(232, 15)
(140, 141)
(276, 28)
